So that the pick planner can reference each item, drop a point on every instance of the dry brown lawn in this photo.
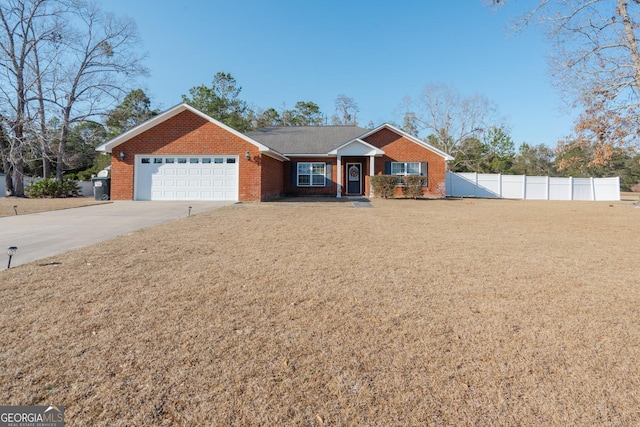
(447, 312)
(27, 206)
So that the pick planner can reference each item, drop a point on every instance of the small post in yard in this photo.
(11, 251)
(15, 209)
(189, 210)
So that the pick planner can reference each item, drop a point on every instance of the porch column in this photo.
(372, 171)
(339, 178)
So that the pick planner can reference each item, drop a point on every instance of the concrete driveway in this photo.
(46, 234)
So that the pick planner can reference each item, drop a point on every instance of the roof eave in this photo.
(416, 140)
(174, 111)
(274, 154)
(307, 155)
(377, 152)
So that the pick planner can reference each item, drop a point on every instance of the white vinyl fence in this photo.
(532, 187)
(86, 187)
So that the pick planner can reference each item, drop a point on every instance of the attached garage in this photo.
(210, 177)
(183, 154)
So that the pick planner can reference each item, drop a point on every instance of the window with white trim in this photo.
(311, 174)
(407, 168)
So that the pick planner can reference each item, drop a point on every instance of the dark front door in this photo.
(354, 178)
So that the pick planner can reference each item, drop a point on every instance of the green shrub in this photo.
(384, 185)
(413, 186)
(53, 188)
(84, 175)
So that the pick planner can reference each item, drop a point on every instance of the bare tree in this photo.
(346, 111)
(451, 119)
(42, 66)
(63, 60)
(99, 65)
(25, 25)
(5, 153)
(595, 61)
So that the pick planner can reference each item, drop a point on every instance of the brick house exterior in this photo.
(182, 154)
(399, 147)
(373, 152)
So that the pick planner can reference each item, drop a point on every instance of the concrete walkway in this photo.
(46, 234)
(360, 202)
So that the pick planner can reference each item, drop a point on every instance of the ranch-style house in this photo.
(183, 154)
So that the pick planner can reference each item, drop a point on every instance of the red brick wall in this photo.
(399, 149)
(272, 175)
(186, 134)
(290, 177)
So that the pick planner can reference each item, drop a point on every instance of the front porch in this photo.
(355, 166)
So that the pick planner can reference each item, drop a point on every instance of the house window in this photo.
(311, 174)
(408, 168)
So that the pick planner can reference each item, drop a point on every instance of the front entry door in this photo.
(354, 178)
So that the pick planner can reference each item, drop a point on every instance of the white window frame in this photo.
(404, 170)
(311, 174)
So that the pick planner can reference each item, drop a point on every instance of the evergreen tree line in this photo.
(490, 150)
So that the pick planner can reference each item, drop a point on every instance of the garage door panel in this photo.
(188, 178)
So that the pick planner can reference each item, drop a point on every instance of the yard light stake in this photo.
(11, 251)
(189, 210)
(15, 209)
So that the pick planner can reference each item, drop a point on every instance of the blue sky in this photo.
(376, 52)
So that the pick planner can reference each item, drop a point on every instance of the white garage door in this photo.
(212, 177)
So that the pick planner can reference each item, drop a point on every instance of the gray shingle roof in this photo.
(291, 140)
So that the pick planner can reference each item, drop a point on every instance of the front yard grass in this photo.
(416, 312)
(10, 205)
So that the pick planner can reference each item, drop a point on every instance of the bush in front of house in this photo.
(384, 185)
(52, 188)
(413, 186)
